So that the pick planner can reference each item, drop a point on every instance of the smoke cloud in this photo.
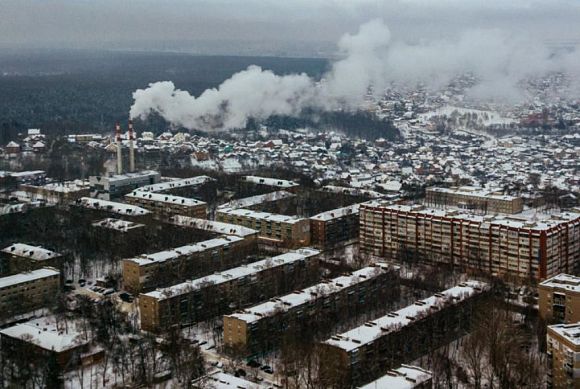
(368, 59)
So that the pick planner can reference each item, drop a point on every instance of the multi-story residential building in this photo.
(469, 197)
(163, 268)
(122, 209)
(248, 234)
(271, 182)
(21, 257)
(221, 293)
(221, 380)
(559, 299)
(563, 349)
(109, 187)
(165, 206)
(57, 193)
(405, 377)
(176, 184)
(24, 292)
(253, 201)
(365, 353)
(273, 229)
(517, 245)
(327, 229)
(313, 310)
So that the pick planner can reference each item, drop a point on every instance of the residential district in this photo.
(445, 256)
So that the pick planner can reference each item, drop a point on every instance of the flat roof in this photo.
(112, 206)
(570, 332)
(117, 224)
(352, 191)
(405, 377)
(255, 200)
(267, 216)
(221, 380)
(127, 176)
(164, 198)
(301, 297)
(337, 213)
(394, 321)
(46, 337)
(270, 181)
(180, 183)
(168, 255)
(28, 276)
(474, 192)
(563, 281)
(212, 225)
(234, 273)
(33, 252)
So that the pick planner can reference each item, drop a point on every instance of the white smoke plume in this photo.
(369, 58)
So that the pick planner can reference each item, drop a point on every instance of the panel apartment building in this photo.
(220, 293)
(309, 312)
(504, 244)
(559, 299)
(367, 352)
(167, 267)
(563, 349)
(405, 377)
(24, 292)
(468, 197)
(328, 229)
(165, 206)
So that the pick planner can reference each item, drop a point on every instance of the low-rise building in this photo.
(221, 293)
(559, 299)
(165, 206)
(563, 349)
(27, 291)
(315, 310)
(405, 377)
(365, 353)
(21, 257)
(468, 197)
(338, 226)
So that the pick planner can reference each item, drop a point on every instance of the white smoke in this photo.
(369, 58)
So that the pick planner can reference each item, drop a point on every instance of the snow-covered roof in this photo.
(352, 191)
(28, 276)
(46, 337)
(301, 297)
(221, 380)
(180, 183)
(267, 216)
(117, 224)
(564, 282)
(168, 255)
(405, 377)
(474, 192)
(276, 182)
(164, 198)
(337, 213)
(213, 226)
(392, 322)
(255, 200)
(33, 252)
(234, 273)
(112, 206)
(570, 332)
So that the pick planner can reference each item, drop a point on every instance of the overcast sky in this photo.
(129, 23)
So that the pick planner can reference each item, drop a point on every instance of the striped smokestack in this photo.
(119, 148)
(131, 147)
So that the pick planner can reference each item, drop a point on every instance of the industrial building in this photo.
(365, 353)
(563, 349)
(21, 257)
(27, 291)
(405, 377)
(163, 268)
(468, 197)
(165, 206)
(338, 226)
(519, 245)
(559, 299)
(220, 293)
(314, 310)
(115, 186)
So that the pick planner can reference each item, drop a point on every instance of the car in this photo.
(109, 291)
(240, 373)
(252, 363)
(267, 369)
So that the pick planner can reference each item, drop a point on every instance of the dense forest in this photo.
(69, 91)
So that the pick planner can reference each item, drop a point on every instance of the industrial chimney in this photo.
(131, 147)
(119, 149)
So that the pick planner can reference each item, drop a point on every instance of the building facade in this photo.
(164, 268)
(21, 257)
(109, 187)
(559, 299)
(563, 349)
(405, 377)
(165, 206)
(221, 293)
(309, 312)
(24, 292)
(468, 197)
(365, 353)
(498, 245)
(338, 226)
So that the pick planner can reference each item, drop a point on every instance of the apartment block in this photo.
(21, 257)
(468, 197)
(314, 310)
(165, 206)
(99, 206)
(531, 247)
(328, 229)
(248, 234)
(109, 187)
(273, 229)
(559, 299)
(221, 380)
(365, 353)
(563, 349)
(271, 182)
(167, 267)
(405, 377)
(176, 184)
(221, 293)
(27, 291)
